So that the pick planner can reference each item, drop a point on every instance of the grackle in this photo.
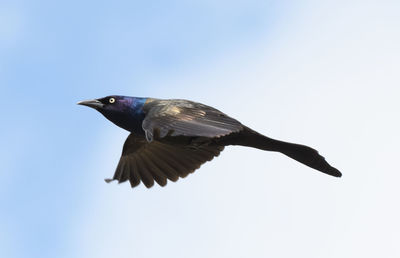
(172, 138)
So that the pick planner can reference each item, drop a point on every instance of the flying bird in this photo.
(172, 138)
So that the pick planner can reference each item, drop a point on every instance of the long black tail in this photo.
(304, 154)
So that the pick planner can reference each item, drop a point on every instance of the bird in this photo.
(171, 138)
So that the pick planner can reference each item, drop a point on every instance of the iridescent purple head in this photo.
(126, 112)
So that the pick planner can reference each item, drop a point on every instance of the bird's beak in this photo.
(94, 103)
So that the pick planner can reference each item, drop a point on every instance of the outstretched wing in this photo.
(143, 161)
(186, 118)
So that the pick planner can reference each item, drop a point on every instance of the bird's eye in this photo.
(111, 100)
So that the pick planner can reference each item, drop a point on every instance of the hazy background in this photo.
(322, 73)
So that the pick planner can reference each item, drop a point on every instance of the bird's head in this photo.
(121, 110)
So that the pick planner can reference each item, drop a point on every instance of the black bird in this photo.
(172, 138)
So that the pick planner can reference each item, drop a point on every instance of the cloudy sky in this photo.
(321, 73)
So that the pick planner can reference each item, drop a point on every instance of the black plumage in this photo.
(172, 138)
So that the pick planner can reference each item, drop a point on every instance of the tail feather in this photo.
(310, 157)
(304, 154)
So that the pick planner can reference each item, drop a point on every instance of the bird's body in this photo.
(172, 138)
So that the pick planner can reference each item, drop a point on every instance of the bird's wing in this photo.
(186, 118)
(143, 161)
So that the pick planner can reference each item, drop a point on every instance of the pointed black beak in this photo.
(94, 103)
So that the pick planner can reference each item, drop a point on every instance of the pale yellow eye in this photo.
(111, 100)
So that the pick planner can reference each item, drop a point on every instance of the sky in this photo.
(321, 73)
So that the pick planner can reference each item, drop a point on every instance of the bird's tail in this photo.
(304, 154)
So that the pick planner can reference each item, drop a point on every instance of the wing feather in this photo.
(124, 176)
(143, 161)
(157, 174)
(134, 177)
(168, 170)
(186, 118)
(145, 175)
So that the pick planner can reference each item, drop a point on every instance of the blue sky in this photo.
(322, 73)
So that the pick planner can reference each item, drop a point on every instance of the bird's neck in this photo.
(137, 104)
(136, 116)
